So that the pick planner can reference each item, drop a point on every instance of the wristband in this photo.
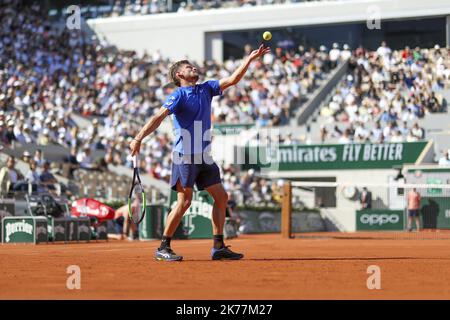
(137, 140)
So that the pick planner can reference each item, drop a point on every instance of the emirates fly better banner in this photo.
(332, 156)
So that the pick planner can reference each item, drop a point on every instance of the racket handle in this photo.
(135, 161)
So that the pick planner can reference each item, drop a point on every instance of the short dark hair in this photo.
(173, 71)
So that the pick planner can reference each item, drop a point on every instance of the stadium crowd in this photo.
(143, 7)
(49, 74)
(385, 93)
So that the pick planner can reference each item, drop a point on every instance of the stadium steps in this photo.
(305, 125)
(304, 113)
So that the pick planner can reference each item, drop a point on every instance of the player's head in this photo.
(183, 71)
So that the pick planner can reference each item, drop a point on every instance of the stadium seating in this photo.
(81, 76)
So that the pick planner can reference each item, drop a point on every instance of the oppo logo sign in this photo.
(379, 219)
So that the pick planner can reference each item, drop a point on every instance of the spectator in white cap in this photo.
(26, 156)
(346, 53)
(10, 137)
(334, 54)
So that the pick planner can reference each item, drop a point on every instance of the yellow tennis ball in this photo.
(267, 35)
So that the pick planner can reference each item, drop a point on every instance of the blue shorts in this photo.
(413, 213)
(201, 173)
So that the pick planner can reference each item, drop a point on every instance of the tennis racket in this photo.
(136, 199)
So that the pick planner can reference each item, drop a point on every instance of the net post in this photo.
(286, 210)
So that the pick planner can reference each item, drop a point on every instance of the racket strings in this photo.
(137, 204)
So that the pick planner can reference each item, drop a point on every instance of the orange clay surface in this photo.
(315, 266)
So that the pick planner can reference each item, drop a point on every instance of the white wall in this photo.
(180, 34)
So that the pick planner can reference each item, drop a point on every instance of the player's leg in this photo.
(184, 197)
(417, 222)
(408, 225)
(208, 179)
(126, 226)
(219, 209)
(220, 251)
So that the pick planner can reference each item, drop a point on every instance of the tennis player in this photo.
(190, 108)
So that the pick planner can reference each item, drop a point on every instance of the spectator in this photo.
(72, 162)
(377, 133)
(346, 53)
(404, 130)
(33, 177)
(47, 179)
(396, 136)
(384, 51)
(323, 133)
(444, 161)
(9, 176)
(26, 157)
(39, 158)
(334, 54)
(9, 135)
(345, 137)
(122, 223)
(366, 199)
(418, 132)
(84, 159)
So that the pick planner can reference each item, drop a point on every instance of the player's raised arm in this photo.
(149, 127)
(239, 72)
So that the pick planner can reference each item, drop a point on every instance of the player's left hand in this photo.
(255, 54)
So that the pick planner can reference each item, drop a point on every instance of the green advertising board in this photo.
(229, 129)
(331, 156)
(270, 222)
(152, 226)
(379, 220)
(196, 222)
(434, 191)
(69, 229)
(24, 229)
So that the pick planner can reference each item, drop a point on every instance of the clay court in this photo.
(314, 266)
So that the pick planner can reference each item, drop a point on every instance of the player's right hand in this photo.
(135, 147)
(255, 54)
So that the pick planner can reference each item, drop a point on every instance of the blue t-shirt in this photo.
(190, 108)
